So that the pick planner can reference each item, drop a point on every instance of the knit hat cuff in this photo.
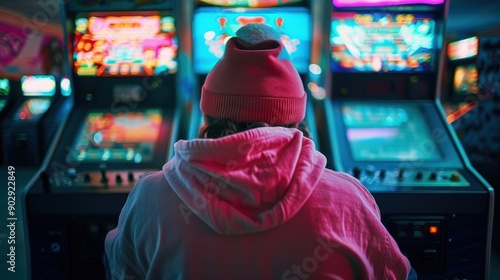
(246, 109)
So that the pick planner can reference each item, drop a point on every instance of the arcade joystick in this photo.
(382, 174)
(104, 178)
(433, 176)
(356, 172)
(86, 178)
(401, 173)
(419, 175)
(118, 179)
(130, 177)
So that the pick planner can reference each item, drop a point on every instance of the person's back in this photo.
(256, 204)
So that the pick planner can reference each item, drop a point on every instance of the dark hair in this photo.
(216, 128)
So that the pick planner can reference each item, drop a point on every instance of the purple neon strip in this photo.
(363, 3)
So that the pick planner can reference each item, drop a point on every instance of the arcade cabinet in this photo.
(122, 125)
(4, 93)
(8, 97)
(28, 130)
(462, 87)
(387, 128)
(214, 22)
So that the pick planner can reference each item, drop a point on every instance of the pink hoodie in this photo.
(254, 205)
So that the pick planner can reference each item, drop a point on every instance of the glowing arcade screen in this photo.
(124, 45)
(212, 27)
(462, 49)
(381, 3)
(123, 137)
(250, 3)
(4, 92)
(32, 109)
(39, 90)
(42, 85)
(382, 42)
(388, 133)
(465, 79)
(4, 87)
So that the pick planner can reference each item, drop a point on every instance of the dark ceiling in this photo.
(465, 17)
(469, 17)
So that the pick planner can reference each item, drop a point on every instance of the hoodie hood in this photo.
(246, 182)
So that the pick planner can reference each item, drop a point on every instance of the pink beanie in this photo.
(254, 83)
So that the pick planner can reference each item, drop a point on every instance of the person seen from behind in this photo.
(251, 197)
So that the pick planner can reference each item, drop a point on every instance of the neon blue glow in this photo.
(212, 27)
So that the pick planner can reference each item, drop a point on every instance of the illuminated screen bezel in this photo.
(31, 85)
(382, 3)
(204, 59)
(72, 156)
(433, 155)
(5, 90)
(463, 49)
(169, 66)
(472, 86)
(250, 3)
(423, 63)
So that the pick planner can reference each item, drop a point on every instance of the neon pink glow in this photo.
(365, 3)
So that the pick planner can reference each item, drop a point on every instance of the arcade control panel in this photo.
(118, 180)
(372, 177)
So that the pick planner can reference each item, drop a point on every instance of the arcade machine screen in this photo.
(388, 133)
(250, 3)
(39, 90)
(465, 75)
(134, 44)
(4, 92)
(121, 137)
(212, 28)
(465, 79)
(463, 49)
(382, 42)
(378, 3)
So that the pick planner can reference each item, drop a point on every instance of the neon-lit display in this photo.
(38, 85)
(380, 3)
(32, 109)
(4, 92)
(463, 49)
(65, 87)
(212, 28)
(4, 87)
(127, 137)
(250, 3)
(388, 133)
(382, 42)
(465, 79)
(124, 45)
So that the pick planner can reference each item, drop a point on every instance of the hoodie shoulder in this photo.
(344, 184)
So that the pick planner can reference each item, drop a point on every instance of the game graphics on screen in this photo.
(4, 92)
(126, 45)
(250, 3)
(388, 133)
(381, 42)
(129, 136)
(214, 27)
